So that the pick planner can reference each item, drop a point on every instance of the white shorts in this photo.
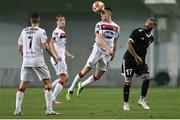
(60, 68)
(99, 59)
(28, 73)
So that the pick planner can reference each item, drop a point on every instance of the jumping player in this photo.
(106, 35)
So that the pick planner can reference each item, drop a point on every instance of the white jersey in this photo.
(31, 39)
(60, 39)
(110, 31)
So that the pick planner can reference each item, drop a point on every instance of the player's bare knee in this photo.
(96, 77)
(128, 80)
(47, 84)
(21, 89)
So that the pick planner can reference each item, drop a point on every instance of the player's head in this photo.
(106, 14)
(35, 18)
(60, 20)
(150, 24)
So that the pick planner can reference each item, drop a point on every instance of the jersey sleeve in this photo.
(20, 40)
(55, 35)
(43, 37)
(117, 33)
(134, 36)
(97, 28)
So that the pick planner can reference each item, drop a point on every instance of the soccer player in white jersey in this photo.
(57, 44)
(106, 35)
(31, 43)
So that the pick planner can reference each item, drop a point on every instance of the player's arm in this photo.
(67, 53)
(100, 40)
(52, 42)
(114, 49)
(132, 51)
(50, 52)
(20, 49)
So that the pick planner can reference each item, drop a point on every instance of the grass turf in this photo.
(94, 103)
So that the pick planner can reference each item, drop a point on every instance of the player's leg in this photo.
(44, 76)
(126, 91)
(145, 76)
(63, 78)
(48, 97)
(54, 83)
(96, 76)
(61, 72)
(26, 75)
(127, 72)
(19, 97)
(92, 60)
(81, 74)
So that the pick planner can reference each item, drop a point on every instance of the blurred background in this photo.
(163, 57)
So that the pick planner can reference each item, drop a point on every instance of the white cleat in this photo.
(143, 104)
(126, 107)
(18, 112)
(51, 112)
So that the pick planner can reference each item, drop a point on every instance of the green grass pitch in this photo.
(96, 103)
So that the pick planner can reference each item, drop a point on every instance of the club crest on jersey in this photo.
(56, 33)
(108, 34)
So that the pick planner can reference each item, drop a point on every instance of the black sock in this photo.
(144, 88)
(126, 91)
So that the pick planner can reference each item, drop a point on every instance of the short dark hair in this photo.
(58, 16)
(108, 8)
(152, 19)
(35, 17)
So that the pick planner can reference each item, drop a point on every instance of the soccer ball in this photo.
(98, 6)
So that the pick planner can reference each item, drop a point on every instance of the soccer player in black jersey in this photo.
(134, 61)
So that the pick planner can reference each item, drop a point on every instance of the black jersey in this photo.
(141, 40)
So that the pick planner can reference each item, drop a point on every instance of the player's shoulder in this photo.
(115, 24)
(138, 30)
(99, 23)
(41, 29)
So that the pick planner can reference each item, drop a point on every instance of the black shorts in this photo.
(130, 66)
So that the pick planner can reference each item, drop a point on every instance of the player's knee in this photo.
(21, 89)
(47, 87)
(146, 77)
(62, 82)
(96, 77)
(128, 80)
(84, 71)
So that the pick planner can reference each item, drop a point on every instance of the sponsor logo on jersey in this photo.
(108, 34)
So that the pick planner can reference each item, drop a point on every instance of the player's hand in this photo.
(57, 59)
(139, 60)
(72, 56)
(110, 52)
(112, 57)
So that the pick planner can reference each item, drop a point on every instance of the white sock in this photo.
(76, 79)
(19, 100)
(141, 98)
(55, 83)
(88, 81)
(126, 103)
(48, 98)
(58, 88)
